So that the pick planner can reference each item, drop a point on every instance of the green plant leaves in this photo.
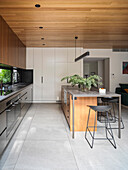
(93, 80)
(5, 75)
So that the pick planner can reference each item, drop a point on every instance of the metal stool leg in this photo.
(116, 118)
(87, 129)
(121, 119)
(94, 130)
(110, 132)
(87, 123)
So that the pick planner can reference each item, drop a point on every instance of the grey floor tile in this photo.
(39, 132)
(22, 131)
(13, 154)
(48, 121)
(46, 155)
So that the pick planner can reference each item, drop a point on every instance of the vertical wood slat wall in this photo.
(12, 50)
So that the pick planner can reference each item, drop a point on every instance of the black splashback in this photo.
(26, 76)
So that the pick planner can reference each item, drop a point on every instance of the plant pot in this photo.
(84, 89)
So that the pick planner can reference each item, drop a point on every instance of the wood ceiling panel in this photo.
(97, 23)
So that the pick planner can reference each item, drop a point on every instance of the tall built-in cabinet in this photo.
(50, 65)
(12, 50)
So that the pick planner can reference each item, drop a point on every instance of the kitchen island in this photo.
(75, 106)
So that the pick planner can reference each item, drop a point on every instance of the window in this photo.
(5, 75)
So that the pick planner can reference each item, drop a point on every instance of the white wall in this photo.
(101, 71)
(116, 59)
(107, 74)
(62, 65)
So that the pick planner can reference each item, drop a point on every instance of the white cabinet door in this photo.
(38, 64)
(61, 71)
(29, 58)
(48, 74)
(61, 55)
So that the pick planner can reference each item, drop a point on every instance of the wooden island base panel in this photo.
(81, 111)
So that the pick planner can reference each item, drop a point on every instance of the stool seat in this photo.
(109, 99)
(101, 108)
(113, 101)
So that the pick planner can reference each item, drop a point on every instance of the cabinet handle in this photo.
(3, 131)
(42, 80)
(8, 110)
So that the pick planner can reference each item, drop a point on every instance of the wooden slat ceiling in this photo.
(97, 23)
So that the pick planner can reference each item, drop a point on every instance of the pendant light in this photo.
(75, 45)
(81, 56)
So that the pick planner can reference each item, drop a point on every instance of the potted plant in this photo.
(84, 83)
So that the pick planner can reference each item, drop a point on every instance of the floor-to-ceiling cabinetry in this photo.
(50, 66)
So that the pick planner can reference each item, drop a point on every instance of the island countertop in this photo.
(76, 92)
(79, 93)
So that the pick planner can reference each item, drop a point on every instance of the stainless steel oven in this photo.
(13, 113)
(2, 130)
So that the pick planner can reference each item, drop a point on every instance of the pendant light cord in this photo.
(75, 45)
(75, 48)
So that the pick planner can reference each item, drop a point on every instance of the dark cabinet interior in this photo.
(12, 50)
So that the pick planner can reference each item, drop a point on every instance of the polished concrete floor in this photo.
(43, 142)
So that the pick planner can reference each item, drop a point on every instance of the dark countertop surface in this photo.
(16, 88)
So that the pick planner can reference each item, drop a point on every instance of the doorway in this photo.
(98, 66)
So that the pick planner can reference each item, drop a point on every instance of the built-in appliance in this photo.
(3, 126)
(13, 113)
(15, 76)
(65, 96)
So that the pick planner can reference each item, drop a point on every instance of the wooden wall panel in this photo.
(17, 51)
(11, 47)
(22, 55)
(0, 38)
(5, 52)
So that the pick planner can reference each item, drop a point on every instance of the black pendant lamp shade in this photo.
(82, 56)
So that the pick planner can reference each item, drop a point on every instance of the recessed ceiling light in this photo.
(37, 5)
(43, 44)
(40, 27)
(42, 38)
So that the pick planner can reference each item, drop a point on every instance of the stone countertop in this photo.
(77, 93)
(16, 88)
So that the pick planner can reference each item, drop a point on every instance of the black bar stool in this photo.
(114, 102)
(108, 129)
